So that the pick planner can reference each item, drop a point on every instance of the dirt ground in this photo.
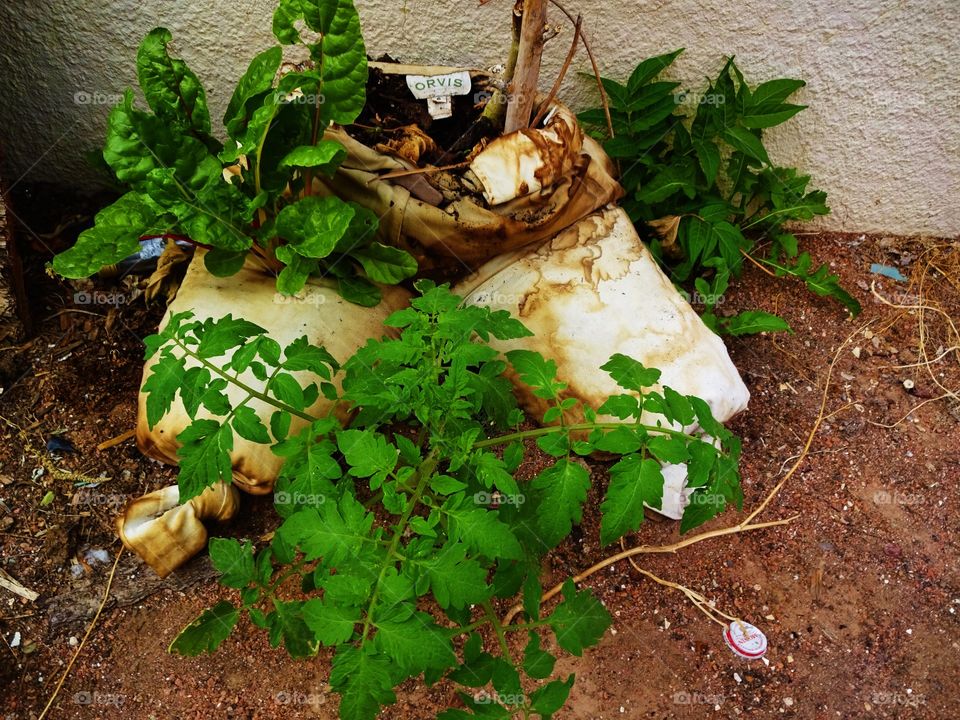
(859, 596)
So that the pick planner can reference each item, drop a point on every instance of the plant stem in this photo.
(596, 69)
(498, 629)
(514, 627)
(243, 386)
(496, 108)
(293, 569)
(537, 432)
(425, 472)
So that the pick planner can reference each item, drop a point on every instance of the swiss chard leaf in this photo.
(114, 236)
(339, 51)
(172, 90)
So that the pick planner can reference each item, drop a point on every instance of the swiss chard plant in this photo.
(403, 530)
(255, 194)
(702, 187)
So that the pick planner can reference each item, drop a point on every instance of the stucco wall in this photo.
(882, 134)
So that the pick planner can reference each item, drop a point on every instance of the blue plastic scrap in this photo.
(887, 271)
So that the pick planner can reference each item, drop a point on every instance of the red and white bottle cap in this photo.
(745, 640)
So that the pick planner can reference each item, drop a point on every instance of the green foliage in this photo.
(176, 170)
(413, 507)
(702, 187)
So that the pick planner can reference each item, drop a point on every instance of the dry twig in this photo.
(545, 106)
(93, 623)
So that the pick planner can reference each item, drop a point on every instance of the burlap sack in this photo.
(156, 527)
(165, 533)
(592, 291)
(595, 290)
(317, 312)
(531, 185)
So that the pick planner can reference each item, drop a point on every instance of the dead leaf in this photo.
(666, 229)
(161, 280)
(410, 144)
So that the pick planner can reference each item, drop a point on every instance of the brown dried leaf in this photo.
(162, 280)
(666, 229)
(410, 144)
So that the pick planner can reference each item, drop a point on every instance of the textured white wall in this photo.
(881, 136)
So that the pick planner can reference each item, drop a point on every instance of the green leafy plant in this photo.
(256, 194)
(401, 530)
(704, 190)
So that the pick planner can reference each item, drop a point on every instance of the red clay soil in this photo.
(859, 596)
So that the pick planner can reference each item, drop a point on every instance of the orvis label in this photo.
(428, 86)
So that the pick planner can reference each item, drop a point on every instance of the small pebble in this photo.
(908, 384)
(788, 701)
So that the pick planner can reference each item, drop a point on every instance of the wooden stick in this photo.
(417, 171)
(16, 588)
(524, 88)
(117, 440)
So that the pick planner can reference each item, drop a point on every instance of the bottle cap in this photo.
(745, 640)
